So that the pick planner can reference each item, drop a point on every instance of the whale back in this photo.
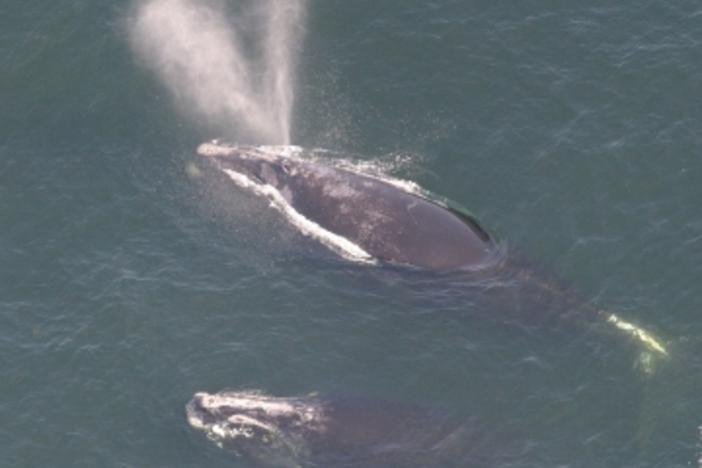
(389, 223)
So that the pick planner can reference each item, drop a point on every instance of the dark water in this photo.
(570, 130)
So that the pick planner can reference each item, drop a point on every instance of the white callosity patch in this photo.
(271, 406)
(267, 429)
(214, 148)
(285, 151)
(235, 427)
(239, 416)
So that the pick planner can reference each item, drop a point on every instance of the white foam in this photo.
(379, 171)
(335, 242)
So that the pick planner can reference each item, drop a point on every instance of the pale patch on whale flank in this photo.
(335, 242)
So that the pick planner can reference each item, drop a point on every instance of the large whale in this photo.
(371, 219)
(363, 215)
(333, 432)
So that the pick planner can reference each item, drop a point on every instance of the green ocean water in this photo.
(571, 130)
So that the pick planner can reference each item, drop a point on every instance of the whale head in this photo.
(262, 165)
(253, 425)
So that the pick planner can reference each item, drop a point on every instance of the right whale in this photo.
(370, 219)
(378, 220)
(326, 431)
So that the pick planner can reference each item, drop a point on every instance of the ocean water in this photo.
(128, 282)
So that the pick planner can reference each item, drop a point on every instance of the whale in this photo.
(365, 216)
(378, 220)
(336, 431)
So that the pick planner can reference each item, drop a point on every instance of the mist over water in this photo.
(198, 49)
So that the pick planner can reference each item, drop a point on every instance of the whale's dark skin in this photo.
(341, 432)
(387, 222)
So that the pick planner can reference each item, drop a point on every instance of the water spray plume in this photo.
(282, 33)
(201, 58)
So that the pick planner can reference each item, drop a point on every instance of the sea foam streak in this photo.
(202, 59)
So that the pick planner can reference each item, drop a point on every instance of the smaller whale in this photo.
(330, 432)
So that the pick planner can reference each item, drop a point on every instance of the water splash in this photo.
(200, 53)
